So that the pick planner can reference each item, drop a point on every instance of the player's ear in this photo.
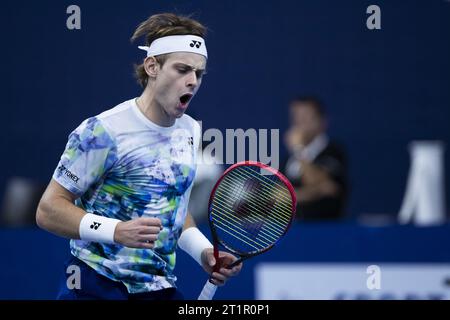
(151, 67)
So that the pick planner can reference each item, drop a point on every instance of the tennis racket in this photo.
(250, 209)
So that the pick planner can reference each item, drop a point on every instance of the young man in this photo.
(129, 171)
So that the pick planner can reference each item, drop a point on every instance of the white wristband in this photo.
(96, 228)
(193, 242)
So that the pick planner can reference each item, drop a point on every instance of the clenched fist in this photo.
(138, 233)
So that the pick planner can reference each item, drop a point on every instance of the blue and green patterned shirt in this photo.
(123, 166)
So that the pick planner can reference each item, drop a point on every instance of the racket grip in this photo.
(208, 291)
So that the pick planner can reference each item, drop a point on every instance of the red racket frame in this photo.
(218, 241)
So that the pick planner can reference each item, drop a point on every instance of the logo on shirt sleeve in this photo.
(67, 173)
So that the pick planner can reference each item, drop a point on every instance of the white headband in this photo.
(169, 44)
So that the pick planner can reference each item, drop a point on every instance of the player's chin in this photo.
(180, 109)
(177, 113)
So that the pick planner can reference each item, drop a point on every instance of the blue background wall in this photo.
(383, 89)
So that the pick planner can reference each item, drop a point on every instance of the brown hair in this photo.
(162, 25)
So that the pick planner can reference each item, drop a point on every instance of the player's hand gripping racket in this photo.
(250, 208)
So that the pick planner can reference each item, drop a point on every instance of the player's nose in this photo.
(192, 80)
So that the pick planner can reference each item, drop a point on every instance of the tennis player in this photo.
(121, 188)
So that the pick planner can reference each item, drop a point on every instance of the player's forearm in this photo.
(59, 216)
(189, 222)
(192, 241)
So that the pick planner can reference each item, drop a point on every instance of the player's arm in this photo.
(58, 214)
(189, 222)
(193, 242)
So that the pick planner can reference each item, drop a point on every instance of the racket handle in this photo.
(208, 291)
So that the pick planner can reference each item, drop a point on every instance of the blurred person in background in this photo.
(316, 166)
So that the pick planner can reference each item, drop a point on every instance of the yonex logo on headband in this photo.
(197, 44)
(177, 43)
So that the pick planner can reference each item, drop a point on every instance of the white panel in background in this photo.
(330, 281)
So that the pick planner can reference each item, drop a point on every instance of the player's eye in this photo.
(183, 70)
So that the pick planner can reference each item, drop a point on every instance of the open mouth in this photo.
(185, 98)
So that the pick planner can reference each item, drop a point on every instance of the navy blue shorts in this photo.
(95, 286)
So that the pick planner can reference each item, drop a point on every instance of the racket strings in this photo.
(257, 199)
(229, 199)
(234, 229)
(238, 231)
(268, 178)
(250, 211)
(266, 237)
(269, 189)
(252, 220)
(251, 232)
(254, 206)
(239, 234)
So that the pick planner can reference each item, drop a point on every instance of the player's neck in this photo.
(153, 110)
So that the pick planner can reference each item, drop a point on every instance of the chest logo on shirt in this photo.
(181, 143)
